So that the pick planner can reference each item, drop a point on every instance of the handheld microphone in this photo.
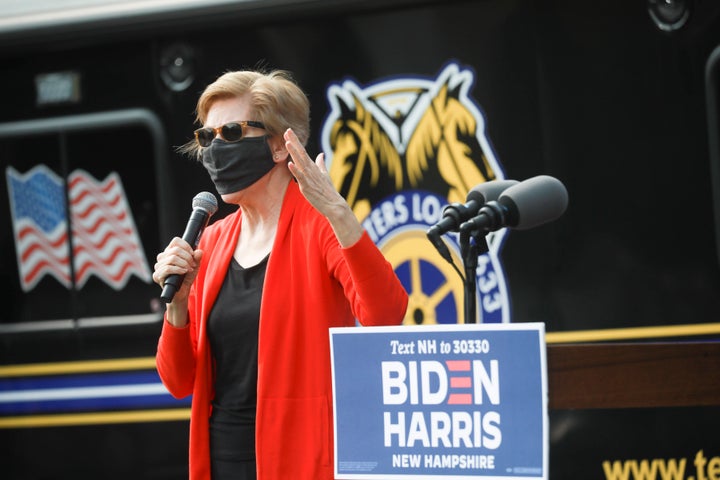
(204, 206)
(533, 202)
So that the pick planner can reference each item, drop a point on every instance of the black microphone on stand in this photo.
(455, 214)
(533, 202)
(525, 205)
(204, 206)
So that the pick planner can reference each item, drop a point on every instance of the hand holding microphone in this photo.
(204, 206)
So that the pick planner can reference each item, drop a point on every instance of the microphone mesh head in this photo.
(205, 201)
(535, 201)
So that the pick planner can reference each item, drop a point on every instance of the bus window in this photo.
(93, 188)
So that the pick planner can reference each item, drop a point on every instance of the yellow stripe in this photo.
(75, 419)
(88, 366)
(614, 334)
(142, 363)
(148, 363)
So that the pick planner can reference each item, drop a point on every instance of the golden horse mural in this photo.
(442, 154)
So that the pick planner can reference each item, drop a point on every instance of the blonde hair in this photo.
(276, 100)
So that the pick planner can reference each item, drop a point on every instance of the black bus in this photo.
(618, 100)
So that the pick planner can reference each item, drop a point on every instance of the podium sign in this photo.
(451, 401)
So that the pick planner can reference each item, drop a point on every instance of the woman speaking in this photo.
(246, 334)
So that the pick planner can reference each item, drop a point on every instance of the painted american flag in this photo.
(105, 241)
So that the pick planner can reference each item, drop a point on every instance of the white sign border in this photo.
(530, 326)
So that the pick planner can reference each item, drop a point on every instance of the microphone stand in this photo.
(472, 245)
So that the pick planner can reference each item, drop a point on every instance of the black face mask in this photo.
(235, 166)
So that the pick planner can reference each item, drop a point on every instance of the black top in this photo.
(233, 333)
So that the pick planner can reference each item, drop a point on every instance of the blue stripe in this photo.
(92, 404)
(139, 401)
(74, 381)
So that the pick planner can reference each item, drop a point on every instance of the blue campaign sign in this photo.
(450, 402)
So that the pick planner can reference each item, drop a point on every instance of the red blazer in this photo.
(311, 284)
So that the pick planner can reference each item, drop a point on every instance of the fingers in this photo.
(320, 162)
(296, 149)
(301, 163)
(312, 177)
(303, 168)
(177, 258)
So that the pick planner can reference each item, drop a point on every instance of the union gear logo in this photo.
(399, 150)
